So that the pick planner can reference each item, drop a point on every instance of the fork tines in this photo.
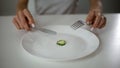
(77, 24)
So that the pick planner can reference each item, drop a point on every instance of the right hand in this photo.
(23, 20)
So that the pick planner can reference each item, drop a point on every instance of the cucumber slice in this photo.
(61, 42)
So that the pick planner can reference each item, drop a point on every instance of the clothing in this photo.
(56, 6)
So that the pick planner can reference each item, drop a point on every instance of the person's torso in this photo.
(56, 6)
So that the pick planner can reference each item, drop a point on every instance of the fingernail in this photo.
(33, 25)
(92, 29)
(87, 23)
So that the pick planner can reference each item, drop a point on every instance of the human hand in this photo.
(23, 20)
(96, 18)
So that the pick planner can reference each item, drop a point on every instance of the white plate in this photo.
(80, 43)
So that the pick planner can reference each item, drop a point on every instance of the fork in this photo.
(78, 24)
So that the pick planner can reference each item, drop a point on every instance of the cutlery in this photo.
(78, 24)
(37, 27)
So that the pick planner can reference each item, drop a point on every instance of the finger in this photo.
(15, 23)
(90, 17)
(96, 22)
(18, 21)
(23, 21)
(103, 22)
(29, 16)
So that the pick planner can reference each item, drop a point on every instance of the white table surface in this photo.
(12, 54)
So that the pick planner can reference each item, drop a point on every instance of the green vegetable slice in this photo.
(61, 42)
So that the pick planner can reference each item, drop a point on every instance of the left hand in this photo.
(96, 18)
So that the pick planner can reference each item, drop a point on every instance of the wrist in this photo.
(96, 5)
(22, 5)
(20, 8)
